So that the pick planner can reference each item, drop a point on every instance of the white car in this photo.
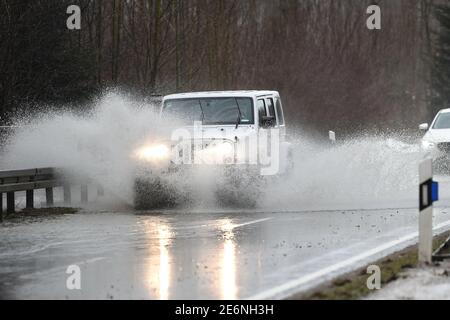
(436, 141)
(242, 133)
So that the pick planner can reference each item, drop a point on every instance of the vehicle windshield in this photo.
(443, 121)
(210, 111)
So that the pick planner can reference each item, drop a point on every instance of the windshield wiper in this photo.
(240, 114)
(201, 109)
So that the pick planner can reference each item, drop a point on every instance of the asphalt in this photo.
(207, 254)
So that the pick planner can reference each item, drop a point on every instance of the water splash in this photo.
(363, 172)
(97, 145)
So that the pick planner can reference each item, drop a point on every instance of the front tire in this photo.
(153, 193)
(240, 189)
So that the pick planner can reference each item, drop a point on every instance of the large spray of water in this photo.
(97, 145)
(364, 172)
(358, 173)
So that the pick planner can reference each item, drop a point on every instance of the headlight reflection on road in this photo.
(158, 271)
(228, 276)
(164, 266)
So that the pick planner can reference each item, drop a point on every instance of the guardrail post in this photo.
(49, 197)
(428, 193)
(100, 191)
(67, 194)
(84, 193)
(30, 199)
(10, 203)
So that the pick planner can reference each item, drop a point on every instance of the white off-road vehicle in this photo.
(436, 141)
(240, 136)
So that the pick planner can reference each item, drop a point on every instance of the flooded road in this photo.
(195, 255)
(292, 243)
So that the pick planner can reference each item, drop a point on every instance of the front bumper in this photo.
(180, 169)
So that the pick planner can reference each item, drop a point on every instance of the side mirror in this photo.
(267, 121)
(423, 126)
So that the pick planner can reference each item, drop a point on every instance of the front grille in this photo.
(444, 147)
(185, 152)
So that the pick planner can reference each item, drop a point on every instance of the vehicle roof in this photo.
(209, 94)
(444, 110)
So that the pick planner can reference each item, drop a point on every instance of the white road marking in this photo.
(214, 224)
(88, 261)
(284, 289)
(250, 222)
(37, 249)
(59, 269)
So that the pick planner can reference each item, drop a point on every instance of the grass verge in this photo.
(353, 285)
(32, 214)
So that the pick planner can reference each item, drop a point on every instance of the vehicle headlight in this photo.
(217, 153)
(428, 144)
(153, 153)
(223, 149)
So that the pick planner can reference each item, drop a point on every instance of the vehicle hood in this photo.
(437, 135)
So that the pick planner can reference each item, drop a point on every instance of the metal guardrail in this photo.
(443, 252)
(29, 180)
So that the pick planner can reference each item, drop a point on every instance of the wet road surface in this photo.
(196, 255)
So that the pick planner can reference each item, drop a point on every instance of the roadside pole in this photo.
(332, 136)
(428, 193)
(1, 207)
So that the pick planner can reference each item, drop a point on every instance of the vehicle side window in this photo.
(280, 115)
(271, 108)
(261, 109)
